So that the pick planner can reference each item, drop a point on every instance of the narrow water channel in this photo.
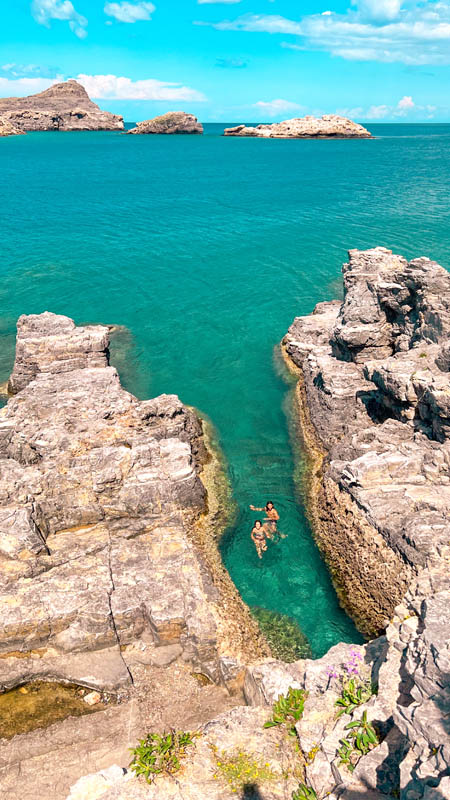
(204, 249)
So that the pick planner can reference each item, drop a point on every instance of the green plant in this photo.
(240, 769)
(160, 754)
(304, 793)
(361, 739)
(354, 693)
(288, 710)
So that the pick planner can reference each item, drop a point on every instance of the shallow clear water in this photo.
(205, 248)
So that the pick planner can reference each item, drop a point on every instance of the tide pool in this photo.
(205, 248)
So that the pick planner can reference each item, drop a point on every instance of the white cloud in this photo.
(45, 10)
(107, 87)
(129, 12)
(411, 32)
(351, 113)
(111, 87)
(274, 107)
(257, 23)
(21, 87)
(380, 10)
(377, 112)
(406, 103)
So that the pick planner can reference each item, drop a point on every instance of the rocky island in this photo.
(107, 580)
(63, 107)
(330, 126)
(171, 123)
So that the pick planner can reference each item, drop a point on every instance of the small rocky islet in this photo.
(109, 576)
(329, 126)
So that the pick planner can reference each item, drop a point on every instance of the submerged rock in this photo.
(330, 126)
(62, 107)
(172, 122)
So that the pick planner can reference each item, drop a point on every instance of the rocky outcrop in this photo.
(63, 107)
(373, 389)
(240, 730)
(375, 400)
(330, 126)
(103, 518)
(172, 122)
(100, 498)
(8, 129)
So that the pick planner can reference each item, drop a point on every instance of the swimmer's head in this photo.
(269, 505)
(258, 523)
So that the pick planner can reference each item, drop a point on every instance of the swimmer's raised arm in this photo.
(254, 508)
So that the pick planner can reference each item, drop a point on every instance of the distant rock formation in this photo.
(63, 107)
(172, 122)
(330, 126)
(8, 129)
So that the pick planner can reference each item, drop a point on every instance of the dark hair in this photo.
(269, 503)
(257, 520)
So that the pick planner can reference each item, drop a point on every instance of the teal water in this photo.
(205, 248)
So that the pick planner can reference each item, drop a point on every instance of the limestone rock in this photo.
(373, 400)
(62, 107)
(330, 126)
(173, 122)
(238, 730)
(98, 493)
(7, 128)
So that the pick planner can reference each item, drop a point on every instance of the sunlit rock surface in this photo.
(330, 126)
(62, 107)
(171, 123)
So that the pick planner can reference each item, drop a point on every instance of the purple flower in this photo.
(355, 655)
(331, 672)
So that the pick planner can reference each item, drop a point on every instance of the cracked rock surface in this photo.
(97, 493)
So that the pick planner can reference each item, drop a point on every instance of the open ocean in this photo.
(205, 248)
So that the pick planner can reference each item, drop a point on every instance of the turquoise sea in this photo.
(205, 249)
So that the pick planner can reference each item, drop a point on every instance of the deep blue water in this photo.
(205, 248)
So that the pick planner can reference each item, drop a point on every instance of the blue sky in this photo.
(236, 60)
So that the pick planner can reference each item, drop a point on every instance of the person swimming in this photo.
(271, 518)
(258, 536)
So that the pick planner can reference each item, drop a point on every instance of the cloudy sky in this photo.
(236, 60)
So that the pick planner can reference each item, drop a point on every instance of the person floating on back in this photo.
(258, 536)
(271, 518)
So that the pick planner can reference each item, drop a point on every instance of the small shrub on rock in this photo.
(288, 710)
(304, 792)
(360, 741)
(242, 770)
(157, 754)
